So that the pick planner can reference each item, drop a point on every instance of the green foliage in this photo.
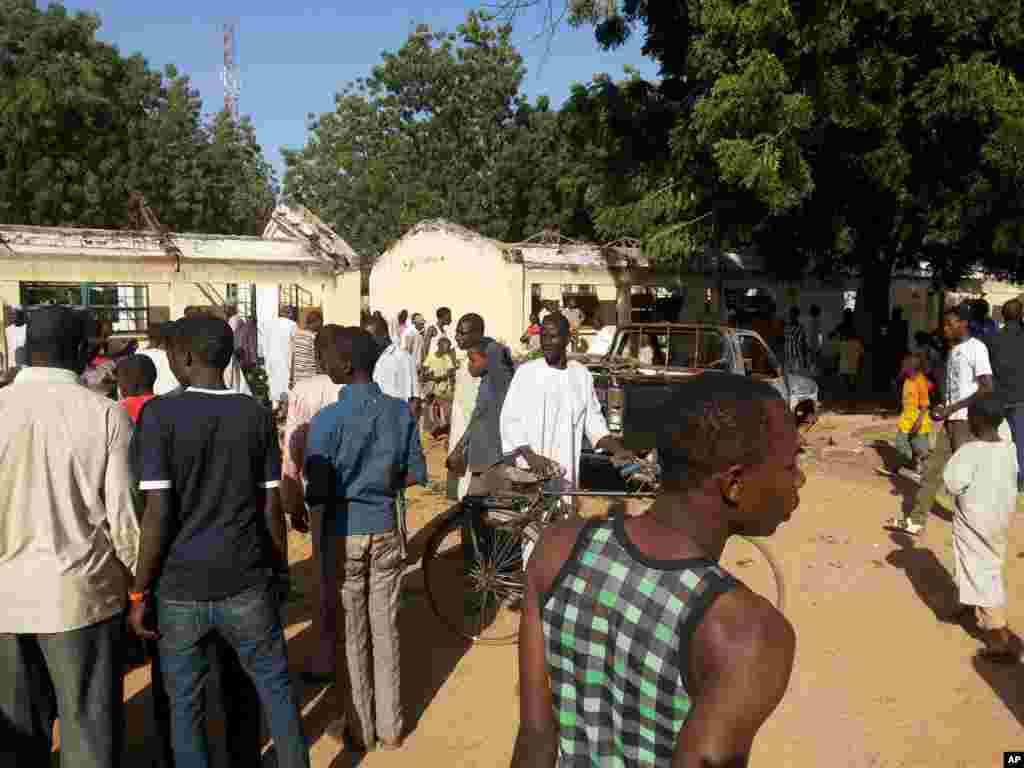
(438, 129)
(857, 137)
(81, 127)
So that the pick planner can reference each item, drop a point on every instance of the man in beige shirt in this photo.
(69, 539)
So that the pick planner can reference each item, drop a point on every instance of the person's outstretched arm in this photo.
(740, 662)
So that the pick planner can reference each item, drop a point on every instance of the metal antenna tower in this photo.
(230, 76)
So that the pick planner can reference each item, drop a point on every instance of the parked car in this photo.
(646, 359)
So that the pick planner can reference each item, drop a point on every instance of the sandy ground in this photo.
(878, 680)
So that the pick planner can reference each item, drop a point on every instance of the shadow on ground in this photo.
(430, 654)
(926, 573)
(1007, 681)
(892, 461)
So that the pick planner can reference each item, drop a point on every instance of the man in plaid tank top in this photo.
(636, 648)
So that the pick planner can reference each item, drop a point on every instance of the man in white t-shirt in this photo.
(968, 377)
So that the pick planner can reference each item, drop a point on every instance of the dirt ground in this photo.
(878, 680)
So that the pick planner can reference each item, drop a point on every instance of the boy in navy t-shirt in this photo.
(214, 541)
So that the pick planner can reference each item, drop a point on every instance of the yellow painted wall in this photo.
(433, 269)
(342, 301)
(339, 295)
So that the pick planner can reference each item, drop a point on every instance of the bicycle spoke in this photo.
(507, 555)
(483, 612)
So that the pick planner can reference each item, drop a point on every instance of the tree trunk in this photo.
(871, 317)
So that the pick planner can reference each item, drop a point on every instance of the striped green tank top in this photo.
(617, 628)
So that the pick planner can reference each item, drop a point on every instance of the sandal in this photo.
(904, 525)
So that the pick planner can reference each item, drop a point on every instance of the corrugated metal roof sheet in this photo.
(299, 223)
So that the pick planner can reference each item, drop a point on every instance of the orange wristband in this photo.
(137, 597)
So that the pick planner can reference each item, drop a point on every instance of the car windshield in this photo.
(675, 347)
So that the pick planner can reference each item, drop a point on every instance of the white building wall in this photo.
(435, 268)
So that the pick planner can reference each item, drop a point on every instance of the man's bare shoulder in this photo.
(743, 628)
(553, 550)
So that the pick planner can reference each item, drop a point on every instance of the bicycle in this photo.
(473, 564)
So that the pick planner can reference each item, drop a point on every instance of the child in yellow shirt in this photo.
(915, 425)
(439, 374)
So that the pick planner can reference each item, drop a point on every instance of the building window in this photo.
(243, 296)
(294, 296)
(126, 306)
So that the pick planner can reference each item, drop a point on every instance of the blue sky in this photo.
(293, 61)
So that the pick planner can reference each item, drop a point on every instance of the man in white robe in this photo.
(550, 406)
(467, 389)
(278, 354)
(412, 341)
(395, 372)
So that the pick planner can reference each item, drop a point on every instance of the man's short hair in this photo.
(325, 337)
(358, 346)
(559, 320)
(208, 338)
(989, 409)
(475, 321)
(962, 311)
(59, 332)
(378, 326)
(711, 422)
(443, 311)
(139, 370)
(1012, 310)
(314, 314)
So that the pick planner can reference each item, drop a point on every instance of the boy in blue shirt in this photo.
(360, 452)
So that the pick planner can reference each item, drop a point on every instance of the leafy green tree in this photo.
(82, 127)
(438, 129)
(840, 137)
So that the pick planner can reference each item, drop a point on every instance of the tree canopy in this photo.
(843, 138)
(82, 127)
(438, 129)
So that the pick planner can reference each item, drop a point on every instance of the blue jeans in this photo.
(1015, 417)
(251, 624)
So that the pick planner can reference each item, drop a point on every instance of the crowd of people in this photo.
(149, 491)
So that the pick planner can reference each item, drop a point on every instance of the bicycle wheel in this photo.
(473, 574)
